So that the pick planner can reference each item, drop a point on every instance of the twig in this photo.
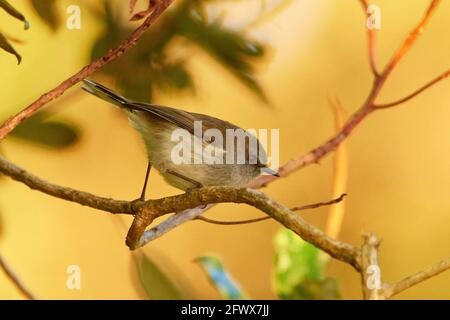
(415, 93)
(320, 204)
(231, 223)
(417, 278)
(15, 279)
(370, 42)
(411, 38)
(112, 54)
(305, 207)
(316, 154)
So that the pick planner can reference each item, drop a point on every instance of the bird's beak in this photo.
(270, 171)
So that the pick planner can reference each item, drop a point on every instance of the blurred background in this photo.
(258, 64)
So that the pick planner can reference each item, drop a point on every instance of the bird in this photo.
(157, 125)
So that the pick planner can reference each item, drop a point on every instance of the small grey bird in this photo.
(156, 124)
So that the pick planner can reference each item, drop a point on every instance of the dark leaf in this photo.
(138, 88)
(173, 77)
(314, 289)
(49, 133)
(47, 10)
(13, 12)
(5, 45)
(156, 284)
(236, 52)
(154, 65)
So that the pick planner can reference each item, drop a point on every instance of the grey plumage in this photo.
(156, 124)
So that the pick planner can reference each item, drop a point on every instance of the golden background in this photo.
(399, 158)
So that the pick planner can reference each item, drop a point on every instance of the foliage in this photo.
(47, 11)
(4, 41)
(5, 5)
(6, 45)
(300, 269)
(152, 65)
(50, 133)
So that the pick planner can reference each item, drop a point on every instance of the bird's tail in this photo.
(104, 93)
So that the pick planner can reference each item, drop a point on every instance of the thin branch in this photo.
(15, 279)
(316, 154)
(112, 54)
(305, 207)
(370, 42)
(417, 278)
(232, 223)
(411, 38)
(320, 204)
(415, 93)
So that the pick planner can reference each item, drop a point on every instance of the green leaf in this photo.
(53, 134)
(313, 289)
(300, 269)
(172, 76)
(156, 284)
(220, 278)
(5, 45)
(47, 10)
(13, 12)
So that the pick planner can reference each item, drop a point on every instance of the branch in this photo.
(411, 38)
(208, 195)
(232, 223)
(305, 207)
(370, 42)
(146, 212)
(112, 54)
(370, 269)
(417, 278)
(372, 285)
(415, 93)
(15, 279)
(316, 154)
